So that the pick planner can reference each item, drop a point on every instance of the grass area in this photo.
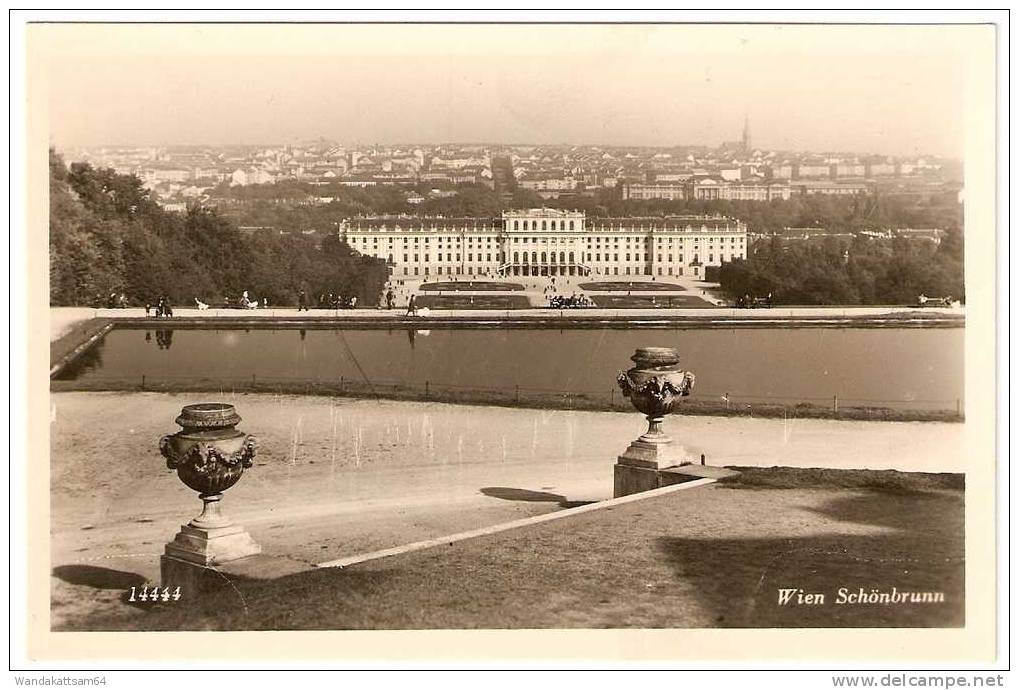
(707, 557)
(640, 286)
(610, 400)
(650, 302)
(890, 481)
(471, 285)
(473, 302)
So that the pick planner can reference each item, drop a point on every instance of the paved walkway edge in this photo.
(523, 522)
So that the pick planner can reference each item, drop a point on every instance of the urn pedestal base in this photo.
(641, 467)
(191, 561)
(212, 545)
(657, 456)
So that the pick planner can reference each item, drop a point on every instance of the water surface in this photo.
(906, 368)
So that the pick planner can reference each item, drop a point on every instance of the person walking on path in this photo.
(412, 308)
(302, 301)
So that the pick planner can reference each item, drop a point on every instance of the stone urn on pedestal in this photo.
(653, 385)
(209, 455)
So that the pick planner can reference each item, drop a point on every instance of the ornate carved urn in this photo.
(209, 455)
(653, 385)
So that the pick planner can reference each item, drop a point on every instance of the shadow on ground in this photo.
(920, 549)
(510, 494)
(99, 578)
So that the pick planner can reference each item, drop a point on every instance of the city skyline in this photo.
(610, 86)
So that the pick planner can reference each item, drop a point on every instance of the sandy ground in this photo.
(336, 477)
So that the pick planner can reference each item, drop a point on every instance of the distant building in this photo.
(241, 177)
(835, 188)
(644, 192)
(880, 169)
(547, 242)
(931, 234)
(662, 178)
(709, 189)
(850, 170)
(781, 172)
(812, 170)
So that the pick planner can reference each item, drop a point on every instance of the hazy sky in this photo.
(894, 90)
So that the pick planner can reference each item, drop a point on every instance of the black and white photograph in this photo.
(512, 327)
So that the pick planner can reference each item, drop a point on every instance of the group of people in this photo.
(574, 301)
(246, 302)
(330, 301)
(162, 308)
(113, 301)
(751, 302)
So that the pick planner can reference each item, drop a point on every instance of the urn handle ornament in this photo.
(658, 388)
(204, 458)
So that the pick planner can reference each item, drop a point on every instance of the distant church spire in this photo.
(746, 132)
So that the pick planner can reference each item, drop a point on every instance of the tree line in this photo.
(108, 235)
(857, 271)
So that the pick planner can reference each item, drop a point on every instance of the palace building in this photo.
(546, 242)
